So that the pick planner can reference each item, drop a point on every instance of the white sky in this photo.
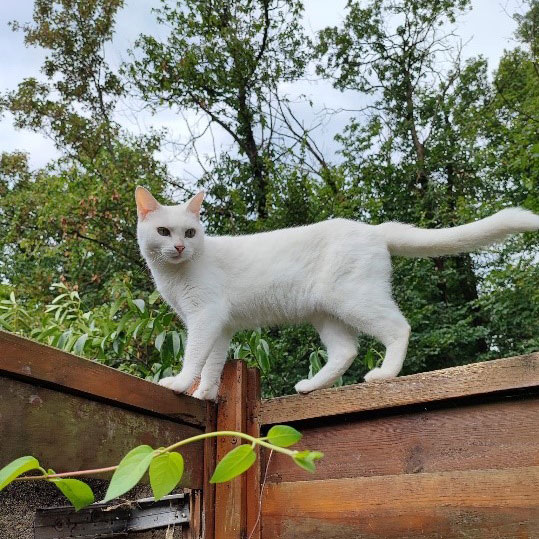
(488, 25)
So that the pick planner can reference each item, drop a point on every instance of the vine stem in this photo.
(252, 439)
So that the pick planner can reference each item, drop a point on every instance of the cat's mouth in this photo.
(175, 258)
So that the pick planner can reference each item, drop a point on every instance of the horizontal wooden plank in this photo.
(69, 432)
(43, 364)
(469, 380)
(478, 504)
(497, 435)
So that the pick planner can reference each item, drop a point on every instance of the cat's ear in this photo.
(145, 202)
(195, 203)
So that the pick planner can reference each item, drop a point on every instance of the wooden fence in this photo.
(446, 454)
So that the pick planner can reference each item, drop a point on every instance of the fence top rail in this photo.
(507, 374)
(44, 365)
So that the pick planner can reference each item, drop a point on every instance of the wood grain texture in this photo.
(210, 456)
(231, 497)
(253, 473)
(69, 432)
(195, 528)
(42, 364)
(493, 435)
(469, 380)
(478, 504)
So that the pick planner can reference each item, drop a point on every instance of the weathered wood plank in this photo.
(497, 435)
(69, 432)
(231, 497)
(210, 455)
(469, 380)
(478, 504)
(253, 473)
(43, 364)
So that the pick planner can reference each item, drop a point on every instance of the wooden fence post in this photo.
(210, 452)
(231, 497)
(253, 474)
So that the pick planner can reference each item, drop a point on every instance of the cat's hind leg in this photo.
(387, 324)
(210, 377)
(341, 344)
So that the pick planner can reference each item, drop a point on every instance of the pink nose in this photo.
(179, 248)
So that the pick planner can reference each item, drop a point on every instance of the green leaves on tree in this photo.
(283, 436)
(166, 471)
(130, 471)
(233, 464)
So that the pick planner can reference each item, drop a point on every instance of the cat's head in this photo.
(168, 234)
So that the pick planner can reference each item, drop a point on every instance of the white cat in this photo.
(335, 274)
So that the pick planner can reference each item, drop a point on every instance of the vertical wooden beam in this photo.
(210, 453)
(254, 473)
(231, 497)
(194, 530)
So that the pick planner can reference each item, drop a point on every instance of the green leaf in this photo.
(176, 343)
(166, 470)
(314, 359)
(305, 459)
(160, 339)
(16, 468)
(262, 358)
(130, 471)
(62, 341)
(78, 348)
(77, 492)
(154, 296)
(253, 340)
(140, 326)
(265, 346)
(283, 436)
(114, 308)
(140, 304)
(233, 464)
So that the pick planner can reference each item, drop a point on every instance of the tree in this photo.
(71, 218)
(511, 297)
(437, 143)
(419, 157)
(225, 61)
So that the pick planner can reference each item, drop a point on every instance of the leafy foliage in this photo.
(165, 466)
(438, 143)
(138, 335)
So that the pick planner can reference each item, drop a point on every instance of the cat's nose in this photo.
(179, 248)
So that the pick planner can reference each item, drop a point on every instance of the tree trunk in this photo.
(246, 134)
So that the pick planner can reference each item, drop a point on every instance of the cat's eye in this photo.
(162, 231)
(190, 232)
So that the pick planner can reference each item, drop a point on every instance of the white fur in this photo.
(335, 274)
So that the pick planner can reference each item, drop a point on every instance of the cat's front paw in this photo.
(179, 383)
(304, 386)
(378, 374)
(206, 394)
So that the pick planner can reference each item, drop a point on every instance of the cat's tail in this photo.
(407, 240)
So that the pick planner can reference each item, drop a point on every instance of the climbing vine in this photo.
(165, 466)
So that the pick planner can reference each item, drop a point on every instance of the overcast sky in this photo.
(488, 26)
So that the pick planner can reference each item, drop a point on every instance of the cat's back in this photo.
(314, 242)
(336, 229)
